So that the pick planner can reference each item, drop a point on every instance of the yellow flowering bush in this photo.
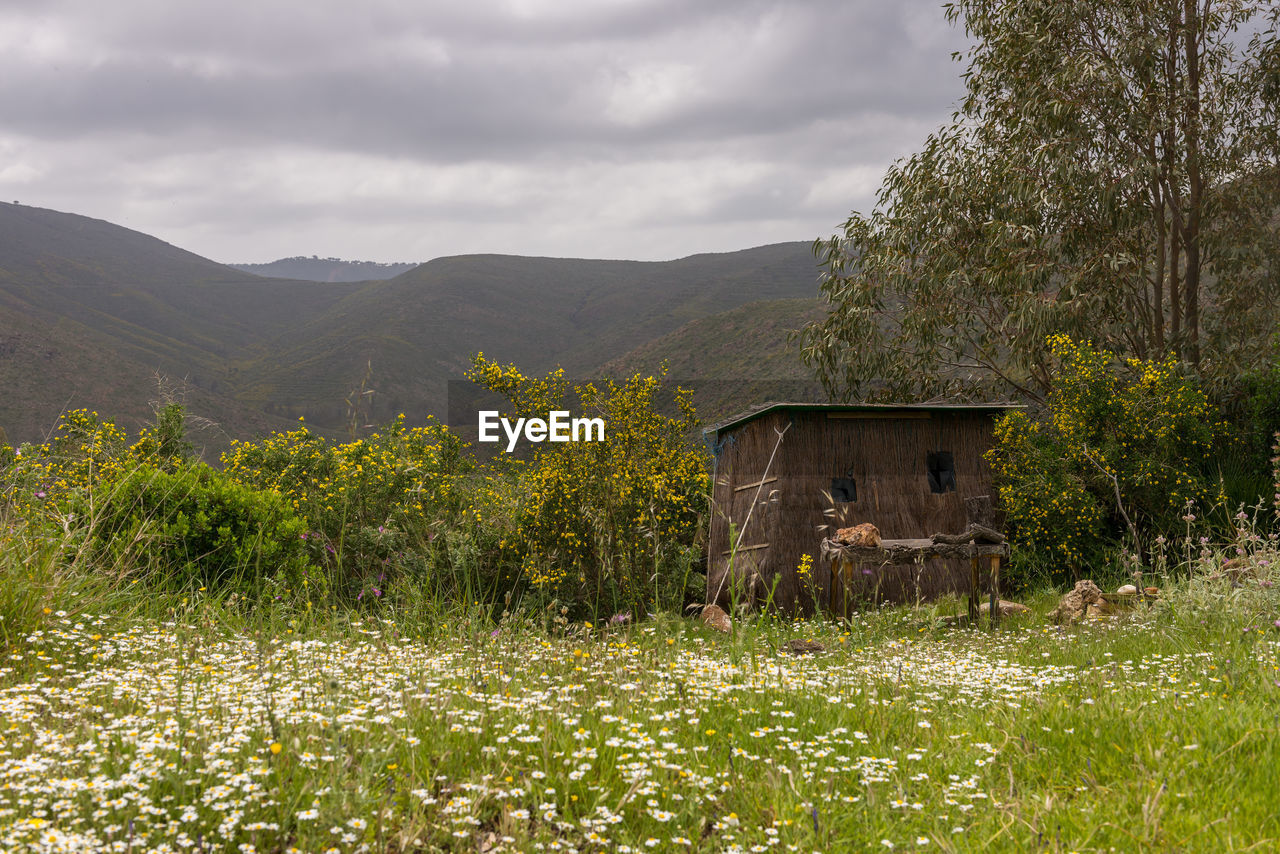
(1141, 429)
(372, 505)
(38, 482)
(604, 525)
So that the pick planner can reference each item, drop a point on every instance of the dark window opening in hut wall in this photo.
(942, 472)
(843, 490)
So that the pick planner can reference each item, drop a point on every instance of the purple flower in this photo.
(619, 619)
(40, 494)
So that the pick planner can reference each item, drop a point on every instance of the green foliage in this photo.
(195, 527)
(1110, 174)
(602, 525)
(1251, 407)
(373, 505)
(164, 443)
(608, 525)
(1275, 471)
(1114, 448)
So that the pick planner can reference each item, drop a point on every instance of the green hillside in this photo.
(733, 359)
(419, 329)
(90, 312)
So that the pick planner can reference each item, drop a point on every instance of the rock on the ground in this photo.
(1074, 606)
(715, 617)
(796, 646)
(1127, 589)
(1006, 608)
(1236, 570)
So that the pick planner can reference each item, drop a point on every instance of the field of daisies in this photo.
(209, 730)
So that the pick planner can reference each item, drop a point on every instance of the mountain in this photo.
(732, 359)
(90, 312)
(316, 269)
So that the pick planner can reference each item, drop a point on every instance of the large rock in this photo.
(715, 618)
(865, 534)
(1236, 570)
(1075, 606)
(1006, 608)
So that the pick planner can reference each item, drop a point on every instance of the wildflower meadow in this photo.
(391, 644)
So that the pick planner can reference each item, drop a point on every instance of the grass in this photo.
(194, 723)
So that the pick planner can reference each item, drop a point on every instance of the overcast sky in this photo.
(403, 130)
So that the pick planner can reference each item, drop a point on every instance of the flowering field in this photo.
(206, 732)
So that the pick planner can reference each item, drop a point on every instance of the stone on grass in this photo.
(715, 618)
(1236, 570)
(1074, 606)
(796, 646)
(1127, 590)
(1006, 608)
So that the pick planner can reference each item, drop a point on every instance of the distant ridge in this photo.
(90, 312)
(316, 269)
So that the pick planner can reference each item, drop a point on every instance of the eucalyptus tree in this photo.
(1111, 173)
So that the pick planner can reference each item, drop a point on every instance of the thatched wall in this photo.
(885, 452)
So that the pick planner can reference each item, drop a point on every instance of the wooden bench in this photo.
(843, 560)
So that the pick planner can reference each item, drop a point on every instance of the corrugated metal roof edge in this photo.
(764, 408)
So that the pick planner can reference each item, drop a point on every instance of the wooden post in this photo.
(973, 589)
(839, 570)
(835, 580)
(995, 591)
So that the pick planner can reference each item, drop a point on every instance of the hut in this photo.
(789, 474)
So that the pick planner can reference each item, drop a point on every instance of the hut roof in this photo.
(774, 406)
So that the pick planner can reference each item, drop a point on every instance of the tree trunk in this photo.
(1195, 185)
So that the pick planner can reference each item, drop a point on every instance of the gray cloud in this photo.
(390, 130)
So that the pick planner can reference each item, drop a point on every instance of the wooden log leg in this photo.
(995, 591)
(973, 592)
(834, 581)
(840, 571)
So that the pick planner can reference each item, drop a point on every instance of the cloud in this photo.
(644, 128)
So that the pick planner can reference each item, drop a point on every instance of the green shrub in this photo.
(195, 527)
(1275, 473)
(1117, 454)
(1252, 409)
(164, 444)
